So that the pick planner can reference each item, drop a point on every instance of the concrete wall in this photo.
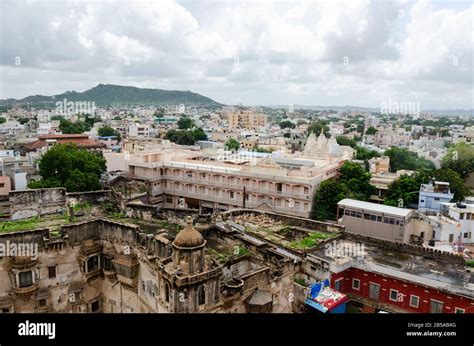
(31, 203)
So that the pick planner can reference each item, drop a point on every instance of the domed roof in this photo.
(189, 237)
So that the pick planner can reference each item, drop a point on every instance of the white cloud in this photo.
(286, 52)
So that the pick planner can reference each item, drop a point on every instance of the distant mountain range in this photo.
(107, 94)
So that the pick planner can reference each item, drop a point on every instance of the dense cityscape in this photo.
(257, 205)
(163, 160)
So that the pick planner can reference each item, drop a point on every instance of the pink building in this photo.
(5, 185)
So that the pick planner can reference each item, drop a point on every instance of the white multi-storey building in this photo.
(180, 178)
(432, 195)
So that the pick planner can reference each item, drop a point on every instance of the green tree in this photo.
(199, 134)
(456, 183)
(317, 126)
(402, 158)
(2, 120)
(232, 144)
(286, 124)
(69, 127)
(329, 193)
(365, 154)
(66, 165)
(406, 190)
(371, 131)
(357, 179)
(107, 131)
(57, 117)
(182, 137)
(460, 158)
(185, 123)
(343, 140)
(353, 182)
(23, 120)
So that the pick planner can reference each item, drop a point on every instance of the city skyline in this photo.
(260, 53)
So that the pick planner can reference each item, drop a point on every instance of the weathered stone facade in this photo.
(101, 265)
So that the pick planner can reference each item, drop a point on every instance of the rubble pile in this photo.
(260, 220)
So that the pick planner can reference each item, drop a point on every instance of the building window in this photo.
(106, 263)
(436, 307)
(201, 296)
(374, 291)
(26, 279)
(52, 272)
(42, 303)
(231, 194)
(414, 301)
(337, 284)
(466, 235)
(279, 187)
(393, 295)
(92, 263)
(95, 306)
(459, 311)
(167, 292)
(355, 284)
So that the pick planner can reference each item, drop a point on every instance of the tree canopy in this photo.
(343, 140)
(66, 165)
(402, 158)
(407, 188)
(353, 182)
(107, 131)
(185, 123)
(232, 144)
(186, 137)
(287, 124)
(371, 131)
(317, 126)
(460, 158)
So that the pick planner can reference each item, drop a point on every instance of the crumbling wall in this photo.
(30, 203)
(92, 197)
(289, 220)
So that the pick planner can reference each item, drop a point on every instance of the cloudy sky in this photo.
(329, 52)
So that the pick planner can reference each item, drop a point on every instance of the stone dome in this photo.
(189, 237)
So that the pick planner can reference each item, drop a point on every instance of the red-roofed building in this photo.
(81, 140)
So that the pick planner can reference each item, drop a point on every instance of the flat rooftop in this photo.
(375, 207)
(400, 265)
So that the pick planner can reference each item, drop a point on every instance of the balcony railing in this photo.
(238, 187)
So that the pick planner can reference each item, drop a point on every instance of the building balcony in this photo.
(25, 291)
(21, 263)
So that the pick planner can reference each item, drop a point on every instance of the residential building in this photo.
(463, 214)
(246, 119)
(217, 182)
(432, 195)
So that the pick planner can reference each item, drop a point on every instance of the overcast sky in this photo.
(328, 52)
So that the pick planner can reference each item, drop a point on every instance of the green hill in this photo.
(107, 94)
